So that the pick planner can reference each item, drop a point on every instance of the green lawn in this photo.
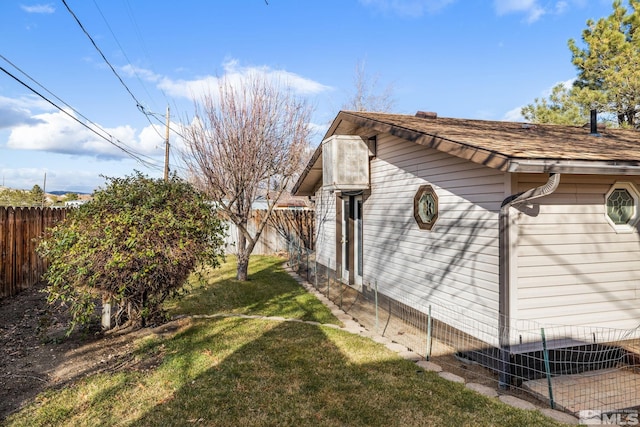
(233, 371)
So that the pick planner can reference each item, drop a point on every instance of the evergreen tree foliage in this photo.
(37, 194)
(562, 107)
(609, 63)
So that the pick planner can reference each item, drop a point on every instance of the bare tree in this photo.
(365, 97)
(247, 140)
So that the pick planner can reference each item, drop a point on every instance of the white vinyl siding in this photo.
(572, 266)
(455, 265)
(326, 228)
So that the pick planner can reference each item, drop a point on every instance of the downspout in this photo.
(505, 269)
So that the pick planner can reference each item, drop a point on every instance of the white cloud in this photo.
(561, 7)
(407, 8)
(190, 89)
(33, 124)
(18, 111)
(566, 83)
(529, 7)
(514, 115)
(234, 74)
(148, 75)
(58, 133)
(38, 8)
(151, 139)
(532, 8)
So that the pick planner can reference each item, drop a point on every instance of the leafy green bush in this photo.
(135, 243)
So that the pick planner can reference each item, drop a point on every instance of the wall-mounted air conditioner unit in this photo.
(345, 163)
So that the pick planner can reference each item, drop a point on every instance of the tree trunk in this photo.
(243, 267)
(631, 115)
(243, 257)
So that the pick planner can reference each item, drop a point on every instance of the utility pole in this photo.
(166, 150)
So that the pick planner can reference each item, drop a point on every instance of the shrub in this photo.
(135, 243)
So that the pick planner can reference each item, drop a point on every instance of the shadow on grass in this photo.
(298, 374)
(269, 292)
(257, 372)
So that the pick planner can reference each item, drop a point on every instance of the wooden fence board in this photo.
(11, 252)
(20, 229)
(283, 227)
(3, 246)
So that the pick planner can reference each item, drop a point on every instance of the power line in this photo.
(104, 18)
(95, 45)
(138, 104)
(156, 117)
(69, 106)
(130, 153)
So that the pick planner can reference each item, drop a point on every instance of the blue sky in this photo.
(460, 58)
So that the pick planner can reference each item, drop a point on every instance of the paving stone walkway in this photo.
(606, 389)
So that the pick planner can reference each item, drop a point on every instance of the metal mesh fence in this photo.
(572, 368)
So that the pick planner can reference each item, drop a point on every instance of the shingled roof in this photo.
(506, 146)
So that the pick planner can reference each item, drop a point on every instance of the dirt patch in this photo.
(36, 355)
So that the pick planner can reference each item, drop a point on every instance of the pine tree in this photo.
(609, 65)
(562, 107)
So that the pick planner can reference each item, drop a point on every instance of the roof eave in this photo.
(492, 159)
(305, 186)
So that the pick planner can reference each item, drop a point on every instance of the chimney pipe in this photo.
(426, 115)
(594, 122)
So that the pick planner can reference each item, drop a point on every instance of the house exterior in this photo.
(503, 222)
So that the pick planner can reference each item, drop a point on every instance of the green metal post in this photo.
(428, 352)
(307, 252)
(376, 299)
(547, 367)
(328, 283)
(315, 276)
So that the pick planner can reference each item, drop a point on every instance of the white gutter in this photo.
(573, 167)
(505, 268)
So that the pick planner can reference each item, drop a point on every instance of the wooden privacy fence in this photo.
(284, 226)
(20, 228)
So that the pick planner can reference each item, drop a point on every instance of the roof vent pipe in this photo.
(427, 115)
(594, 123)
